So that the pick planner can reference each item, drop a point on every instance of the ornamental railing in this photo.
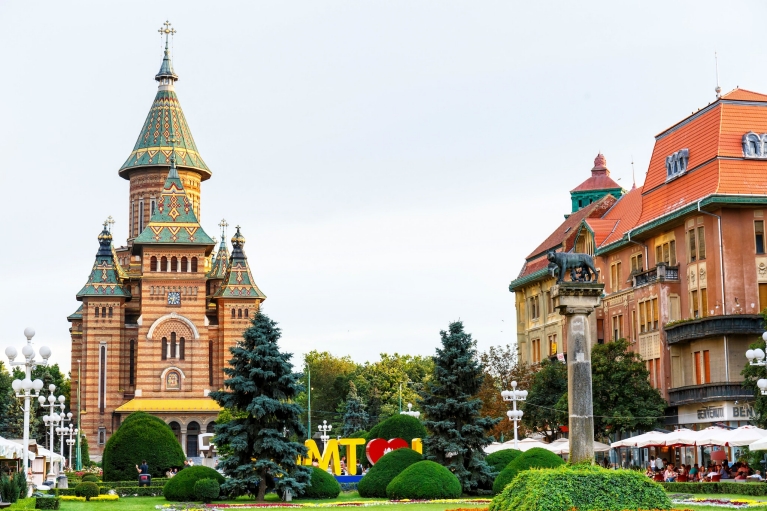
(708, 392)
(661, 273)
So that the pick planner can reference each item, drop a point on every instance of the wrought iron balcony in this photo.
(660, 273)
(708, 392)
(715, 326)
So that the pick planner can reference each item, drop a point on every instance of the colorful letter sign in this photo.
(374, 450)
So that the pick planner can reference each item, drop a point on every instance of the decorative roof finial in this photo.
(105, 240)
(600, 162)
(718, 88)
(633, 176)
(111, 222)
(223, 224)
(238, 240)
(166, 76)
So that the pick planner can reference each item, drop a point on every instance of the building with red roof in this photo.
(682, 259)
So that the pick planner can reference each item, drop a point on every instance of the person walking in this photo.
(144, 477)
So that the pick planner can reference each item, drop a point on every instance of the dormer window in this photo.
(676, 164)
(754, 145)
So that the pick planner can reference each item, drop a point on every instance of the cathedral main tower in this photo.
(159, 314)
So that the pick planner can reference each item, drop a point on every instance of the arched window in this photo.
(173, 345)
(164, 264)
(103, 312)
(164, 348)
(181, 348)
(176, 428)
(239, 313)
(110, 312)
(184, 263)
(234, 313)
(153, 264)
(246, 313)
(194, 265)
(211, 427)
(173, 264)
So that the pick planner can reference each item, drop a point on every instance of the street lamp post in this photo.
(515, 415)
(26, 389)
(757, 358)
(52, 419)
(324, 436)
(72, 431)
(410, 411)
(63, 430)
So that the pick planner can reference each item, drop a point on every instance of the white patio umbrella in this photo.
(643, 440)
(682, 436)
(759, 445)
(12, 450)
(562, 446)
(744, 435)
(495, 447)
(528, 443)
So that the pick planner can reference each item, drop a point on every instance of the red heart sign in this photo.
(380, 446)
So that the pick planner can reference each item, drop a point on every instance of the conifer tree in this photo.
(260, 391)
(457, 432)
(355, 416)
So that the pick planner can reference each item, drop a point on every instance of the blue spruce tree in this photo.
(355, 416)
(457, 433)
(260, 391)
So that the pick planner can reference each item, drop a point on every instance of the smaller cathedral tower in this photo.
(599, 185)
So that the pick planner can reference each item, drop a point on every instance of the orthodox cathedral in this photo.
(159, 315)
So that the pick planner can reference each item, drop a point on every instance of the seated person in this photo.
(723, 471)
(693, 473)
(650, 472)
(713, 471)
(670, 474)
(756, 477)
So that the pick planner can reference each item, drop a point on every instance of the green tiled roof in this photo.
(174, 221)
(220, 263)
(239, 282)
(104, 279)
(165, 119)
(78, 314)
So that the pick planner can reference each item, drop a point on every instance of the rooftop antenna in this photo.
(718, 88)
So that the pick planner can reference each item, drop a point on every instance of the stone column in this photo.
(575, 301)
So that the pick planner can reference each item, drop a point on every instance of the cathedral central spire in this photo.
(167, 77)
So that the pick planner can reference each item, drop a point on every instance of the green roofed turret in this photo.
(239, 282)
(220, 264)
(174, 221)
(153, 147)
(104, 279)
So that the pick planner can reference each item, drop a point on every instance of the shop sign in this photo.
(715, 412)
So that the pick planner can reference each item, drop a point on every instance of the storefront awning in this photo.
(140, 404)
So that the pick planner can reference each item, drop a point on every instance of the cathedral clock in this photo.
(174, 298)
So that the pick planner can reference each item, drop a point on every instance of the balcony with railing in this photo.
(708, 392)
(714, 326)
(660, 273)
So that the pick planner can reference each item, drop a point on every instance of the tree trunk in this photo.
(261, 486)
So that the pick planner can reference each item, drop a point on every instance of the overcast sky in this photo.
(390, 162)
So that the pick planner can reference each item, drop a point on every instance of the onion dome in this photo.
(239, 282)
(104, 279)
(166, 118)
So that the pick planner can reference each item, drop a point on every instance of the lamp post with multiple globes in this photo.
(410, 411)
(26, 389)
(757, 358)
(324, 434)
(51, 419)
(72, 432)
(515, 415)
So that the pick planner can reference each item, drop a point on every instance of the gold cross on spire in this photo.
(223, 224)
(167, 30)
(111, 222)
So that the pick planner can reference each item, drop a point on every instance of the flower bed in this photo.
(703, 501)
(359, 503)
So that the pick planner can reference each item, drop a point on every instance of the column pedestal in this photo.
(576, 301)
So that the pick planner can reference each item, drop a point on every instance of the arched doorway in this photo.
(176, 428)
(192, 430)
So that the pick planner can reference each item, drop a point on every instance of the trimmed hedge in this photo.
(581, 487)
(747, 488)
(47, 503)
(206, 490)
(374, 483)
(398, 426)
(90, 478)
(87, 490)
(141, 437)
(180, 488)
(321, 486)
(500, 459)
(537, 457)
(424, 480)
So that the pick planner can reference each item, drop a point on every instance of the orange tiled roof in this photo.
(600, 177)
(744, 95)
(601, 228)
(533, 266)
(570, 226)
(626, 213)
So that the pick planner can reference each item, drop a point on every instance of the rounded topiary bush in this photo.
(500, 459)
(537, 457)
(322, 486)
(424, 480)
(141, 437)
(374, 483)
(398, 426)
(180, 487)
(206, 490)
(582, 487)
(90, 478)
(87, 490)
